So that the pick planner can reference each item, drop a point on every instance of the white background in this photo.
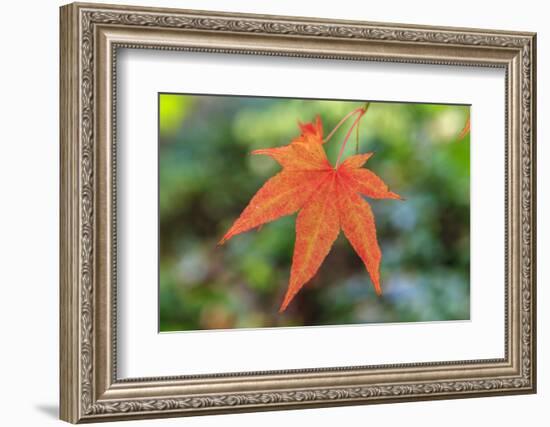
(145, 353)
(29, 171)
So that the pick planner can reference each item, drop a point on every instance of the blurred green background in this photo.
(207, 177)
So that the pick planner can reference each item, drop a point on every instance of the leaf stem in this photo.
(361, 111)
(357, 137)
(341, 122)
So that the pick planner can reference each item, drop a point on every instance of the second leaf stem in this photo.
(361, 111)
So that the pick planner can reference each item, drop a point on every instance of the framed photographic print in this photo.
(265, 212)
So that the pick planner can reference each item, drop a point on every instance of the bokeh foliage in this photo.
(207, 177)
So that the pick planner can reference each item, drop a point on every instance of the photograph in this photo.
(282, 212)
(264, 210)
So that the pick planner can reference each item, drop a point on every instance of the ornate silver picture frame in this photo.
(90, 388)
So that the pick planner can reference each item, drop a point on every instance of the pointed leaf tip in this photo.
(392, 195)
(223, 240)
(285, 303)
(356, 161)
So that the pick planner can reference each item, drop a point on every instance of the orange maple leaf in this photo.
(328, 199)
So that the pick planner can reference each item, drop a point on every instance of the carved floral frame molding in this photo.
(90, 37)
